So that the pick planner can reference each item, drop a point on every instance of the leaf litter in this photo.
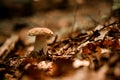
(93, 55)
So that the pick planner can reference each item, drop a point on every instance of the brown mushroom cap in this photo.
(40, 32)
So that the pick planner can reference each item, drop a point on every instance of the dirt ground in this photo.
(85, 45)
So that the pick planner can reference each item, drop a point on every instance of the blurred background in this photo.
(62, 17)
(59, 15)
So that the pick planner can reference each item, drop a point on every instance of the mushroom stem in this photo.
(40, 44)
(40, 40)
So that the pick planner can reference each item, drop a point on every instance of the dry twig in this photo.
(8, 46)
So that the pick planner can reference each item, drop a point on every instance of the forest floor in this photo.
(83, 48)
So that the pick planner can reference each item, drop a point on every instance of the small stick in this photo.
(8, 46)
(55, 39)
(74, 15)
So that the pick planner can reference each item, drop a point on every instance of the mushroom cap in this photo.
(40, 32)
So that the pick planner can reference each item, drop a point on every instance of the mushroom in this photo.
(40, 40)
